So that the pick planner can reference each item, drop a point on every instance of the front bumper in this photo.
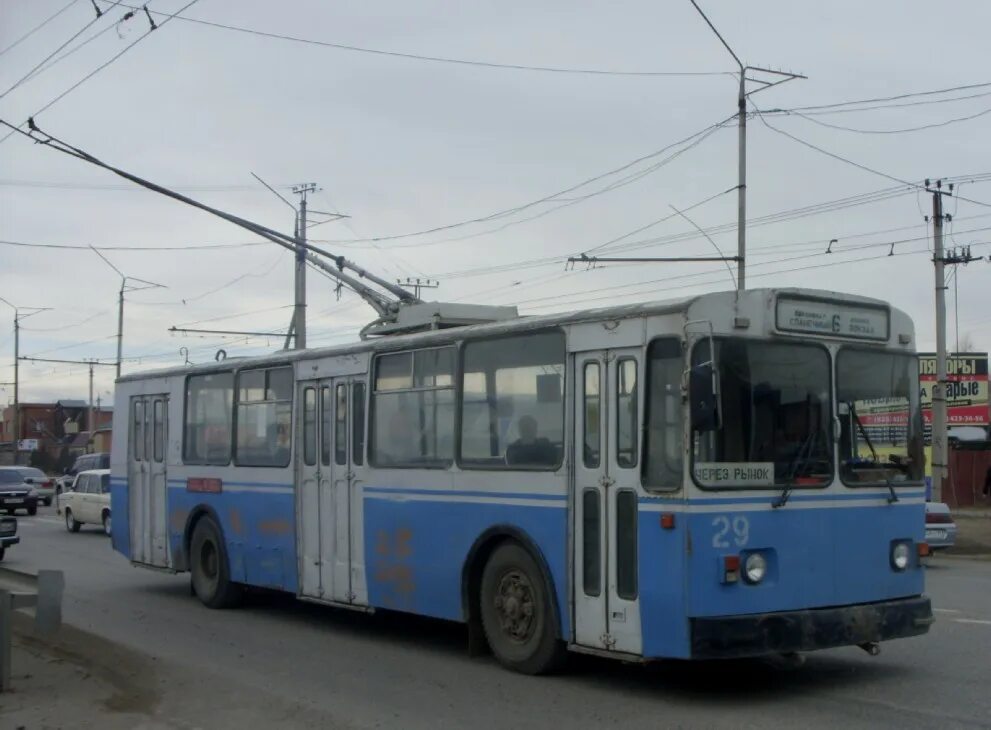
(723, 637)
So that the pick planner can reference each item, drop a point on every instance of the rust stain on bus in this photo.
(274, 527)
(237, 527)
(177, 520)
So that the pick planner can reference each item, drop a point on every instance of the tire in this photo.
(70, 523)
(517, 612)
(107, 525)
(48, 501)
(210, 568)
(2, 551)
(33, 510)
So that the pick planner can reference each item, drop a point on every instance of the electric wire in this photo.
(38, 27)
(439, 59)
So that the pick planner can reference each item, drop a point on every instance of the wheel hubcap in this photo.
(515, 606)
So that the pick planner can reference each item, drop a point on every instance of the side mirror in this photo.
(703, 398)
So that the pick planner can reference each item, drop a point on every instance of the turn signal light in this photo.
(731, 568)
(923, 549)
(667, 520)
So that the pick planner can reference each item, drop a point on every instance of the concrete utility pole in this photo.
(17, 351)
(741, 103)
(939, 445)
(89, 414)
(299, 310)
(124, 287)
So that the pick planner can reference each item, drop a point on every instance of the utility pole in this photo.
(417, 284)
(89, 414)
(124, 287)
(299, 311)
(939, 445)
(17, 350)
(741, 104)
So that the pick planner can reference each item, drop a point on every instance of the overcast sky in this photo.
(404, 145)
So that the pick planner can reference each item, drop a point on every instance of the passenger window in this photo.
(358, 424)
(105, 484)
(592, 433)
(591, 537)
(341, 426)
(310, 426)
(627, 418)
(512, 412)
(664, 452)
(412, 409)
(207, 425)
(264, 417)
(626, 544)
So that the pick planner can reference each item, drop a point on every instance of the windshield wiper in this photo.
(804, 451)
(887, 480)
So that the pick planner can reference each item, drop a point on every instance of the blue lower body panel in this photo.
(415, 551)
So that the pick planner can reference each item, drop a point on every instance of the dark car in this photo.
(44, 484)
(15, 493)
(85, 462)
(8, 534)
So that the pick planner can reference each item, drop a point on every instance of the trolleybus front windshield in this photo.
(877, 400)
(775, 426)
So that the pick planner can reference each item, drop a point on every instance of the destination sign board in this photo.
(832, 319)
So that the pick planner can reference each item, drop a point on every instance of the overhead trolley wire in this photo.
(438, 59)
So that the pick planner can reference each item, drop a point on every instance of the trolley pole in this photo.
(939, 445)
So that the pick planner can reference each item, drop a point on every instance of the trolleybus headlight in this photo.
(900, 555)
(754, 568)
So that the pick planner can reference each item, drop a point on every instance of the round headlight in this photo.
(900, 555)
(754, 568)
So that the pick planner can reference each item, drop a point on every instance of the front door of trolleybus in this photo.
(608, 407)
(326, 458)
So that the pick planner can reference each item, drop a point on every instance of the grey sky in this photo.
(404, 145)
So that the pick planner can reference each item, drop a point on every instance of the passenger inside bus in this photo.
(530, 449)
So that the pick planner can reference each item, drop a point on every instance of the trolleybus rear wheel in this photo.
(517, 612)
(211, 579)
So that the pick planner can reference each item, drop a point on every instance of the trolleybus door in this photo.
(146, 480)
(608, 407)
(325, 479)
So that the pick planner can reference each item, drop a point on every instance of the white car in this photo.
(88, 502)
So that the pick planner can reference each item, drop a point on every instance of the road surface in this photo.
(350, 670)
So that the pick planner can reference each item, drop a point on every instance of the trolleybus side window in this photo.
(663, 461)
(341, 425)
(264, 416)
(207, 426)
(137, 435)
(412, 409)
(326, 424)
(512, 410)
(159, 439)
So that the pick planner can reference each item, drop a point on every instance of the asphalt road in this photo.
(388, 670)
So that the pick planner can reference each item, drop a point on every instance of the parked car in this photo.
(88, 502)
(15, 493)
(941, 530)
(44, 484)
(8, 534)
(85, 462)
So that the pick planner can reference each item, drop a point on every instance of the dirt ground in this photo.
(973, 532)
(78, 681)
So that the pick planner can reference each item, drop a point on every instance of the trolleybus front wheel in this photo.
(211, 579)
(517, 612)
